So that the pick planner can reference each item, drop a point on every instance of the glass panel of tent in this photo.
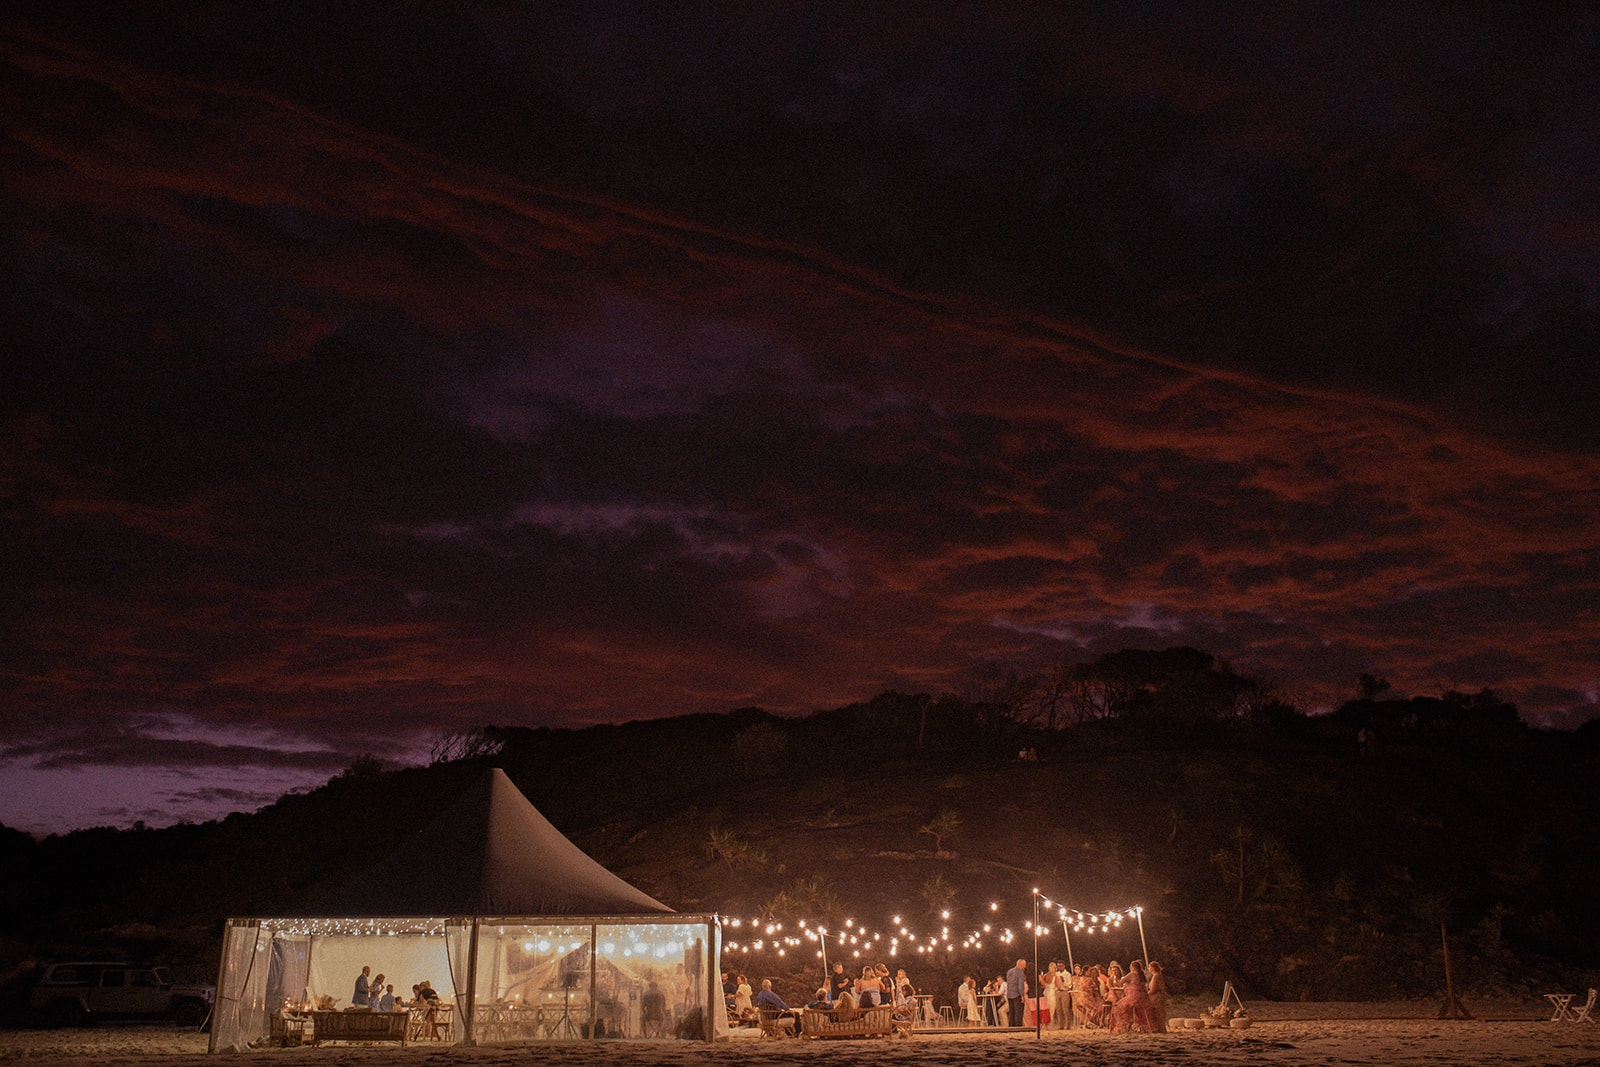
(544, 979)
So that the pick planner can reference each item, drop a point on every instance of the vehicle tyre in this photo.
(62, 1013)
(189, 1014)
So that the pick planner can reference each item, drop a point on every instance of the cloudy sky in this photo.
(378, 370)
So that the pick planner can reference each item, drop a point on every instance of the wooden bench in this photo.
(870, 1022)
(358, 1026)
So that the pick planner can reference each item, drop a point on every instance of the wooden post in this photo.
(1452, 1008)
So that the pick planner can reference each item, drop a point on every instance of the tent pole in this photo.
(467, 1017)
(1139, 914)
(714, 1002)
(1066, 932)
(222, 987)
(594, 979)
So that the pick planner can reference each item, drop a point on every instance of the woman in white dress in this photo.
(742, 999)
(968, 1000)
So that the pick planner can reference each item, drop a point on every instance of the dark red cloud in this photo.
(826, 357)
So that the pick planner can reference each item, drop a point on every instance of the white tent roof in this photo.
(489, 853)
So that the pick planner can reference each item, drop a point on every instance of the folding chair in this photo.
(1582, 1014)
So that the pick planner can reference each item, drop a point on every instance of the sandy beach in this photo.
(1390, 1033)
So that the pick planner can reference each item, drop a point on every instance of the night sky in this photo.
(380, 370)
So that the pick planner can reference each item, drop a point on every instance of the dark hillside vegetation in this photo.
(1264, 846)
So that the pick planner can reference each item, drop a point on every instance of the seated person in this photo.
(428, 1000)
(844, 1007)
(653, 1011)
(820, 1001)
(770, 1000)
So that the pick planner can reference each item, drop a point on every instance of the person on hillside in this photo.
(1158, 999)
(1132, 1012)
(1016, 990)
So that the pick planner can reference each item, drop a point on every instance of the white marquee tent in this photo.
(526, 935)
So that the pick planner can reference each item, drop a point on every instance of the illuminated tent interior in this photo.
(526, 935)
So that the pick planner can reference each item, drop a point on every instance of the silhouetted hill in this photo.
(1265, 848)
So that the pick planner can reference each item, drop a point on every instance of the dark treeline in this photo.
(1267, 846)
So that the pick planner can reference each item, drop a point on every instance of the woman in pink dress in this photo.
(1133, 1006)
(1158, 999)
(1088, 1004)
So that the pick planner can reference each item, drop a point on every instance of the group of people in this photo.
(377, 994)
(842, 995)
(1083, 997)
(744, 1006)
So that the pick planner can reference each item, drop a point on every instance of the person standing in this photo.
(1057, 998)
(1158, 999)
(967, 999)
(362, 998)
(741, 998)
(838, 982)
(1016, 990)
(1132, 1010)
(869, 988)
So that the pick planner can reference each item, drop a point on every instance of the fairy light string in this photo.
(895, 937)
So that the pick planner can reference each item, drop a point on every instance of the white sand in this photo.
(1403, 1033)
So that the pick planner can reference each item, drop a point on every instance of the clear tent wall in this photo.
(504, 978)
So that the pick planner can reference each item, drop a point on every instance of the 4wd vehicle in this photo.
(71, 993)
